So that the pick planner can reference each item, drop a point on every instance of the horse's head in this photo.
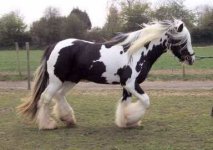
(179, 42)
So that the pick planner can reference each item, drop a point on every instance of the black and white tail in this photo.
(29, 108)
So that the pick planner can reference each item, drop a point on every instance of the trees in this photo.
(76, 24)
(12, 29)
(52, 27)
(176, 9)
(206, 18)
(203, 32)
(47, 30)
(83, 16)
(123, 16)
(113, 23)
(128, 17)
(134, 13)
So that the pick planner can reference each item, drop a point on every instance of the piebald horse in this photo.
(124, 60)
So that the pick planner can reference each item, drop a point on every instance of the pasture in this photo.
(176, 120)
(166, 68)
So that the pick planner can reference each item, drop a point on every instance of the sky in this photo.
(32, 10)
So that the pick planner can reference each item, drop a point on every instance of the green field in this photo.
(8, 65)
(177, 120)
(168, 61)
(8, 60)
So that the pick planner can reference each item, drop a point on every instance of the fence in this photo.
(28, 62)
(23, 62)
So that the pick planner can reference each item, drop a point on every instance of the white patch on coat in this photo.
(113, 60)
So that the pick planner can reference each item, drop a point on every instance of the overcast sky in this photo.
(32, 10)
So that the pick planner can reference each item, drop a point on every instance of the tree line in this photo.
(123, 16)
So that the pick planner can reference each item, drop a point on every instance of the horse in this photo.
(125, 59)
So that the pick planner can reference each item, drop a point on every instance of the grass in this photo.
(8, 65)
(187, 77)
(168, 61)
(8, 61)
(176, 120)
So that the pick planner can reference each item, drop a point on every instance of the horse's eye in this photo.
(187, 57)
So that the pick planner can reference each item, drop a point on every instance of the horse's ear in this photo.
(180, 28)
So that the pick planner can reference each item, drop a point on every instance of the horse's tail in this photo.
(29, 108)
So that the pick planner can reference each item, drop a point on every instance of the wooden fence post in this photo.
(17, 59)
(28, 66)
(183, 70)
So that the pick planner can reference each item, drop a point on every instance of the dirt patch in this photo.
(194, 93)
(179, 71)
(167, 85)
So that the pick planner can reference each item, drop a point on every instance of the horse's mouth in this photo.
(189, 60)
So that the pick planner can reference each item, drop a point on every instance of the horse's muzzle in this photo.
(188, 59)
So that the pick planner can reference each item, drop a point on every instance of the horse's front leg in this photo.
(120, 115)
(135, 111)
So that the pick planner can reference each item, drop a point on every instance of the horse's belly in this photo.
(111, 77)
(101, 75)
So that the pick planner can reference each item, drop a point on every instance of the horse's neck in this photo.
(148, 55)
(153, 50)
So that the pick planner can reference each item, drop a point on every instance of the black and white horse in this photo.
(125, 60)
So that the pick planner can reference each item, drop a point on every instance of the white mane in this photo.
(153, 31)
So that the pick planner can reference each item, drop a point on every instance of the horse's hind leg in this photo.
(62, 109)
(43, 116)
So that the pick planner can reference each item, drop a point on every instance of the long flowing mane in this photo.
(149, 32)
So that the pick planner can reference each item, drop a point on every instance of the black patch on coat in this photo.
(148, 60)
(178, 50)
(126, 94)
(140, 62)
(138, 88)
(126, 47)
(114, 82)
(147, 45)
(121, 52)
(124, 74)
(180, 28)
(164, 43)
(115, 40)
(143, 72)
(96, 71)
(156, 52)
(75, 62)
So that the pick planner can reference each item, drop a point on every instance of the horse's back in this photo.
(71, 59)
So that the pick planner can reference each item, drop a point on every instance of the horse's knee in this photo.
(45, 98)
(145, 100)
(129, 86)
(63, 111)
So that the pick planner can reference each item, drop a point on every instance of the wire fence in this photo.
(19, 65)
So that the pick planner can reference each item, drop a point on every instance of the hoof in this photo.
(68, 121)
(49, 125)
(130, 125)
(133, 125)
